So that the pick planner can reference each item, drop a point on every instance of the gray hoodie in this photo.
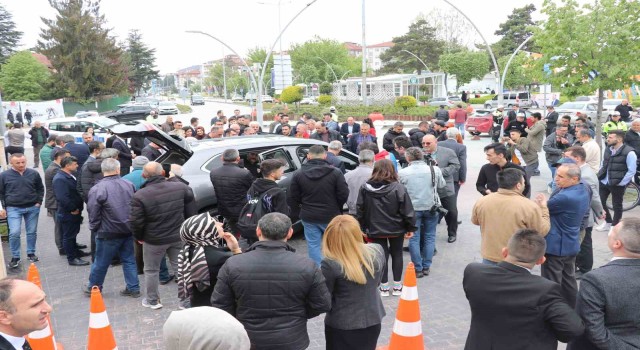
(204, 328)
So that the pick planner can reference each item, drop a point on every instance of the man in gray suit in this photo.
(584, 259)
(608, 298)
(448, 162)
(460, 177)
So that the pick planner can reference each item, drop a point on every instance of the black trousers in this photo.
(562, 270)
(450, 203)
(617, 194)
(353, 339)
(393, 247)
(584, 259)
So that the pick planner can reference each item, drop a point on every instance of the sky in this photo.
(245, 24)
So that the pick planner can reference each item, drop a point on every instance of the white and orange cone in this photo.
(407, 328)
(44, 338)
(100, 332)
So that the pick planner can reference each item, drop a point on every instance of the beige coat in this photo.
(536, 134)
(501, 214)
(593, 155)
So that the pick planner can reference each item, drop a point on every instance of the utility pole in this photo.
(363, 89)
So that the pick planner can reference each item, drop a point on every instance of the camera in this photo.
(439, 210)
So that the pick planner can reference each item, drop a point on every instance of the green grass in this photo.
(184, 109)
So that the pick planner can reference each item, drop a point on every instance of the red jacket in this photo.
(460, 115)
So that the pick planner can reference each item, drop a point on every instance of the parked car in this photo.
(572, 109)
(200, 157)
(197, 100)
(522, 98)
(77, 126)
(130, 113)
(236, 98)
(309, 101)
(446, 101)
(611, 104)
(166, 107)
(267, 98)
(481, 122)
(592, 99)
(86, 114)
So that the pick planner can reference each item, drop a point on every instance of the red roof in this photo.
(42, 59)
(353, 46)
(384, 44)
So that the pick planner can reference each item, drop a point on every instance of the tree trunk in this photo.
(598, 120)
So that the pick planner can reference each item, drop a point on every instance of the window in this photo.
(591, 107)
(397, 89)
(280, 154)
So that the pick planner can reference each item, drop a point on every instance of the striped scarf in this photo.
(197, 232)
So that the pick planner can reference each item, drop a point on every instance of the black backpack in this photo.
(251, 213)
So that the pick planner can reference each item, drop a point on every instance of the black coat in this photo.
(387, 141)
(137, 144)
(277, 200)
(216, 257)
(416, 135)
(352, 144)
(34, 136)
(344, 130)
(272, 291)
(632, 139)
(158, 210)
(150, 152)
(319, 191)
(514, 309)
(124, 155)
(67, 197)
(90, 173)
(231, 183)
(78, 150)
(385, 211)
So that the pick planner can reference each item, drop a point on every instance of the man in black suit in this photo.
(349, 128)
(23, 310)
(608, 296)
(511, 308)
(460, 177)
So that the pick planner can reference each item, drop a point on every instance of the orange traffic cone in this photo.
(100, 333)
(407, 328)
(42, 339)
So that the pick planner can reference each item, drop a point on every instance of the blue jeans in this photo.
(106, 250)
(489, 262)
(460, 127)
(423, 242)
(552, 183)
(313, 234)
(14, 220)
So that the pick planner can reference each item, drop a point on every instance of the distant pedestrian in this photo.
(386, 215)
(460, 118)
(318, 192)
(297, 292)
(551, 120)
(45, 152)
(39, 137)
(19, 119)
(15, 140)
(125, 157)
(109, 207)
(390, 135)
(358, 177)
(50, 202)
(158, 210)
(21, 194)
(441, 114)
(10, 117)
(95, 148)
(70, 207)
(522, 151)
(352, 271)
(78, 150)
(231, 183)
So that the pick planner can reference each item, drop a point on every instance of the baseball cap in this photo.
(332, 108)
(564, 160)
(615, 113)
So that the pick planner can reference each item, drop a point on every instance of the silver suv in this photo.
(523, 99)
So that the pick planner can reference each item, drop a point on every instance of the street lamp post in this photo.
(363, 89)
(224, 77)
(328, 65)
(345, 73)
(506, 67)
(493, 57)
(433, 82)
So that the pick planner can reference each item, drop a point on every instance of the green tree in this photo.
(141, 61)
(326, 88)
(321, 54)
(86, 59)
(518, 75)
(420, 40)
(291, 94)
(23, 78)
(307, 74)
(257, 56)
(405, 102)
(594, 39)
(9, 36)
(514, 31)
(215, 77)
(465, 65)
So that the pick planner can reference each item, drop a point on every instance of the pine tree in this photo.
(141, 61)
(9, 36)
(86, 59)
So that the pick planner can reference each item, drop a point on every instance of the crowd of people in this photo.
(140, 213)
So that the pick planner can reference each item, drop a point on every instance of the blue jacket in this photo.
(135, 177)
(109, 206)
(567, 209)
(78, 150)
(68, 198)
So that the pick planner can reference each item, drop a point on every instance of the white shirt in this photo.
(621, 258)
(17, 342)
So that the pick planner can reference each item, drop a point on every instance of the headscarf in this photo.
(197, 232)
(204, 328)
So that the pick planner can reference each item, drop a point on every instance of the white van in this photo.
(522, 98)
(77, 126)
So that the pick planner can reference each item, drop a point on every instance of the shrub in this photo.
(423, 98)
(406, 102)
(325, 100)
(480, 100)
(326, 88)
(291, 94)
(184, 109)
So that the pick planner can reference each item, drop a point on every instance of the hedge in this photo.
(361, 112)
(480, 100)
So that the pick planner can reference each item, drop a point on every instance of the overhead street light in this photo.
(328, 65)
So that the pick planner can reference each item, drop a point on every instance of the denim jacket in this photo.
(417, 179)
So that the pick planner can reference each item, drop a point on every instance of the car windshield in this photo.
(454, 98)
(612, 102)
(572, 105)
(166, 103)
(106, 122)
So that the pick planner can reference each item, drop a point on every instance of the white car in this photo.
(309, 101)
(86, 114)
(236, 98)
(166, 107)
(572, 109)
(77, 126)
(267, 98)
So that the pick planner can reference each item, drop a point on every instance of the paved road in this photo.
(444, 309)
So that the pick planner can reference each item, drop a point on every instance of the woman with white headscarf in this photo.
(201, 258)
(204, 328)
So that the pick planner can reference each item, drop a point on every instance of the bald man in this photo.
(23, 309)
(157, 212)
(39, 137)
(625, 111)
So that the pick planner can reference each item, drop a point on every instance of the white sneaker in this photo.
(384, 290)
(605, 226)
(153, 306)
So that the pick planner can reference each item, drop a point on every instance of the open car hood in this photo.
(168, 142)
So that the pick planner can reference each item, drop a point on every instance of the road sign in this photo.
(413, 80)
